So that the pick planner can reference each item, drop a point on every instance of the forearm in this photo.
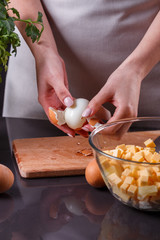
(29, 9)
(147, 53)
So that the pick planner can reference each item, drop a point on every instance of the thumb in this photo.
(96, 103)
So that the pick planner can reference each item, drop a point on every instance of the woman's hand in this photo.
(122, 89)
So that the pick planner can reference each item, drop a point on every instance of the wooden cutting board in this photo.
(52, 156)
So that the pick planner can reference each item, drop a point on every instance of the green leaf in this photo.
(32, 31)
(7, 26)
(15, 12)
(4, 2)
(3, 12)
(39, 18)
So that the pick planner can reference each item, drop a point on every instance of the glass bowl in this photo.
(129, 161)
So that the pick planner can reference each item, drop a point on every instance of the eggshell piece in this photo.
(56, 116)
(93, 175)
(73, 114)
(6, 178)
(93, 121)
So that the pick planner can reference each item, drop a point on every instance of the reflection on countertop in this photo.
(63, 207)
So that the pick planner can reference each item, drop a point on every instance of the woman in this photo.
(99, 50)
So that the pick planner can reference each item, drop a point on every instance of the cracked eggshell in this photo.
(56, 116)
(73, 114)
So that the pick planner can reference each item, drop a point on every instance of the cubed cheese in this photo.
(155, 157)
(129, 180)
(138, 156)
(114, 179)
(124, 187)
(149, 143)
(122, 147)
(132, 190)
(145, 191)
(127, 172)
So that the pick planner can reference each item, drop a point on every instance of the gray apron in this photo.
(93, 37)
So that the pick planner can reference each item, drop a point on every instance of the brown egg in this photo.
(93, 175)
(6, 178)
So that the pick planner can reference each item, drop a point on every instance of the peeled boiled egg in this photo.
(72, 116)
(6, 178)
(93, 175)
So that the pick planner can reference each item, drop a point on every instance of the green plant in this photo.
(7, 35)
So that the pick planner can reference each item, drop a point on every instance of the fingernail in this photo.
(68, 102)
(85, 129)
(86, 112)
(69, 135)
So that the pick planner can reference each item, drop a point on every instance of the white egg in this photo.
(73, 114)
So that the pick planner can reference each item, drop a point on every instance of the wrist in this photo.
(141, 65)
(43, 52)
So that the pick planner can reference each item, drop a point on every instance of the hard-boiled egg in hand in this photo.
(72, 116)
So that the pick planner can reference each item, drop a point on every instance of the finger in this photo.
(82, 133)
(96, 103)
(88, 128)
(103, 113)
(120, 113)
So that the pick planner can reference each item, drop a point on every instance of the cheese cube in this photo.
(139, 148)
(131, 148)
(128, 156)
(105, 163)
(109, 170)
(135, 172)
(147, 155)
(127, 172)
(155, 157)
(143, 180)
(115, 166)
(132, 190)
(129, 180)
(122, 147)
(114, 179)
(117, 153)
(145, 191)
(149, 143)
(152, 150)
(138, 157)
(124, 196)
(124, 187)
(144, 172)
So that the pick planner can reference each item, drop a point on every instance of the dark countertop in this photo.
(63, 207)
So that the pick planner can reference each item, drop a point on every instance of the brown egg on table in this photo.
(93, 175)
(6, 178)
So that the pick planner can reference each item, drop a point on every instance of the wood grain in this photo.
(60, 156)
(53, 156)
